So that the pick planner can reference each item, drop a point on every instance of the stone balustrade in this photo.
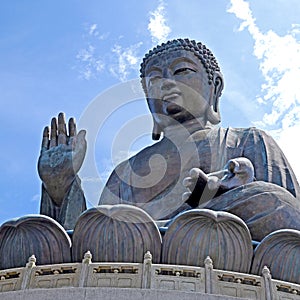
(147, 275)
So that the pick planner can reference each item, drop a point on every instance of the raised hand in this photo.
(62, 154)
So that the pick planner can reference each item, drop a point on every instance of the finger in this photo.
(198, 174)
(188, 181)
(45, 140)
(194, 173)
(185, 196)
(53, 137)
(72, 127)
(79, 142)
(81, 137)
(62, 130)
(213, 183)
(79, 145)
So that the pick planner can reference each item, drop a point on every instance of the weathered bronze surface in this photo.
(61, 157)
(33, 235)
(198, 233)
(263, 206)
(116, 233)
(183, 85)
(280, 251)
(194, 165)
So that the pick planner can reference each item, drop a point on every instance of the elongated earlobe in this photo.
(213, 117)
(156, 132)
(213, 112)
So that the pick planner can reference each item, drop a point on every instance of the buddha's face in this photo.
(178, 89)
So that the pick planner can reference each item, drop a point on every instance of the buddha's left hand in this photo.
(237, 172)
(202, 187)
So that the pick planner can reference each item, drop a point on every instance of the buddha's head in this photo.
(182, 83)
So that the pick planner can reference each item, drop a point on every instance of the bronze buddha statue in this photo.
(195, 163)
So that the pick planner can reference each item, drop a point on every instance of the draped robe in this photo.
(152, 179)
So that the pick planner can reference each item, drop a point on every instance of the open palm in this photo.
(62, 154)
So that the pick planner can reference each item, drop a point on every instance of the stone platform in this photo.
(93, 280)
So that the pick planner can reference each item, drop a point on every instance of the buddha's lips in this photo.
(170, 102)
(173, 108)
(171, 96)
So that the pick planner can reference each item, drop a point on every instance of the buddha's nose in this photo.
(167, 83)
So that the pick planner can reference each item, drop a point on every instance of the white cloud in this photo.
(127, 60)
(120, 61)
(295, 29)
(86, 54)
(92, 65)
(279, 59)
(157, 26)
(287, 140)
(93, 30)
(279, 63)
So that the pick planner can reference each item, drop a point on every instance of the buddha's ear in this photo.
(218, 83)
(213, 113)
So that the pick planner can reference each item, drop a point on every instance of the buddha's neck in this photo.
(183, 130)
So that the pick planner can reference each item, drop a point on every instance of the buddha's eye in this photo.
(154, 80)
(184, 71)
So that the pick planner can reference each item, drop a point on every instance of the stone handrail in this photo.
(147, 276)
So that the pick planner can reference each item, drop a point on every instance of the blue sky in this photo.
(59, 55)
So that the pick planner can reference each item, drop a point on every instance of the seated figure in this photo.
(195, 163)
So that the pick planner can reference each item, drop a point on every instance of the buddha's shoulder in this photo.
(248, 136)
(245, 131)
(231, 133)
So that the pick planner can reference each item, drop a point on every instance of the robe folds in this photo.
(152, 179)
